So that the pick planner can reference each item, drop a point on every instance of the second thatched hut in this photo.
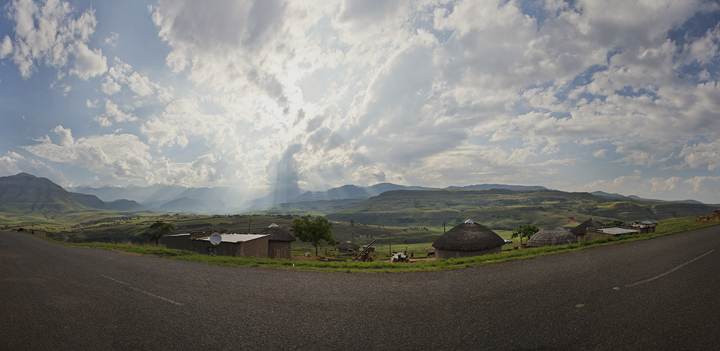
(552, 237)
(347, 247)
(467, 239)
(582, 227)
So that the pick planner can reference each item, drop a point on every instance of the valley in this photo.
(398, 215)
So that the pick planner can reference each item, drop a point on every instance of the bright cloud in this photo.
(264, 94)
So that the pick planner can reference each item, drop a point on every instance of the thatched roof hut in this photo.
(277, 233)
(468, 239)
(551, 237)
(590, 223)
(348, 246)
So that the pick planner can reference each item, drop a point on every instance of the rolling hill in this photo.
(506, 209)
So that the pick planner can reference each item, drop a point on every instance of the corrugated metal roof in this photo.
(179, 234)
(235, 238)
(617, 231)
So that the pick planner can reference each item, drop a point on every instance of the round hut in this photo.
(590, 223)
(552, 237)
(347, 247)
(279, 241)
(467, 239)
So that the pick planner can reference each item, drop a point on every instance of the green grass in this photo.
(666, 227)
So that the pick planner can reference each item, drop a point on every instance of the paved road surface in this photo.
(659, 294)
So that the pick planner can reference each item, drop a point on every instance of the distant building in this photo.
(467, 239)
(279, 241)
(580, 230)
(236, 245)
(551, 237)
(348, 247)
(643, 227)
(604, 233)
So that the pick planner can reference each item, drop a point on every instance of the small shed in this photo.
(279, 241)
(552, 237)
(582, 227)
(611, 232)
(236, 245)
(347, 247)
(468, 239)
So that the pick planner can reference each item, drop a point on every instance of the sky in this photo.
(618, 96)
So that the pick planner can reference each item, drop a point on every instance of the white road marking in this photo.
(143, 291)
(672, 270)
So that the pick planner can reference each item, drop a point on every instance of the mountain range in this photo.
(26, 193)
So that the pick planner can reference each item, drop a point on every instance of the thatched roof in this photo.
(468, 236)
(552, 236)
(277, 233)
(348, 246)
(590, 223)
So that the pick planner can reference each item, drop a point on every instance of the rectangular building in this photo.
(236, 245)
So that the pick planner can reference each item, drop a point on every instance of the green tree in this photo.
(615, 223)
(157, 230)
(524, 231)
(316, 232)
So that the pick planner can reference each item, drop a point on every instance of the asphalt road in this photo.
(659, 294)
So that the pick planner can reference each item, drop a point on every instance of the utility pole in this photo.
(248, 226)
(390, 242)
(443, 227)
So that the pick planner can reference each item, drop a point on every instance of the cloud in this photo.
(6, 47)
(112, 39)
(112, 110)
(89, 63)
(401, 87)
(109, 86)
(702, 154)
(49, 35)
(13, 163)
(122, 73)
(123, 156)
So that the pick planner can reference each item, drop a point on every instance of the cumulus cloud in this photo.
(50, 35)
(123, 156)
(380, 90)
(141, 85)
(6, 47)
(89, 63)
(435, 93)
(702, 154)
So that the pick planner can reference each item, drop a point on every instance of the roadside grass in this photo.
(666, 227)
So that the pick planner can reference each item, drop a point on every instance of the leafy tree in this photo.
(157, 230)
(524, 231)
(615, 223)
(315, 232)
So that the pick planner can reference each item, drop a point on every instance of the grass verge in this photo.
(666, 227)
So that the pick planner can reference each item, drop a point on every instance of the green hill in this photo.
(26, 193)
(506, 209)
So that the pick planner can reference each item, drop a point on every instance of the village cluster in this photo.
(464, 240)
